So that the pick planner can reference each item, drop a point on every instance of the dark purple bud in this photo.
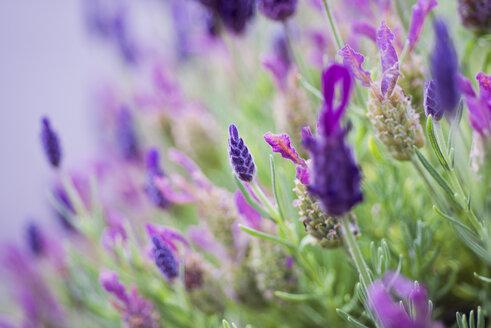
(476, 15)
(164, 259)
(444, 68)
(125, 135)
(66, 211)
(154, 171)
(51, 144)
(124, 43)
(278, 9)
(235, 14)
(336, 179)
(431, 101)
(34, 239)
(240, 158)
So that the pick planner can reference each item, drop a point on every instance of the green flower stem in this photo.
(355, 252)
(273, 211)
(335, 32)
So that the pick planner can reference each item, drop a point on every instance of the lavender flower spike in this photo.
(336, 180)
(164, 259)
(34, 239)
(444, 68)
(278, 10)
(420, 11)
(240, 158)
(154, 171)
(388, 58)
(51, 144)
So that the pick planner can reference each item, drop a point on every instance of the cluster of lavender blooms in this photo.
(382, 220)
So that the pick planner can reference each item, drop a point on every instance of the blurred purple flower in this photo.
(240, 157)
(277, 9)
(204, 239)
(51, 143)
(34, 239)
(66, 210)
(110, 281)
(279, 61)
(164, 258)
(365, 29)
(114, 231)
(388, 58)
(420, 11)
(336, 180)
(235, 14)
(126, 138)
(476, 14)
(353, 61)
(431, 102)
(154, 171)
(248, 212)
(444, 68)
(167, 235)
(415, 311)
(479, 106)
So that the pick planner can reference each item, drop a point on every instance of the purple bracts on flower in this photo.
(153, 192)
(164, 259)
(420, 11)
(277, 9)
(431, 102)
(336, 179)
(110, 281)
(479, 106)
(51, 144)
(444, 68)
(34, 238)
(240, 158)
(353, 61)
(413, 313)
(388, 57)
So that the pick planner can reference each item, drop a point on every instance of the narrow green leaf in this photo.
(482, 278)
(266, 236)
(430, 130)
(225, 324)
(374, 150)
(249, 198)
(295, 297)
(275, 188)
(437, 176)
(455, 125)
(350, 319)
(480, 318)
(453, 220)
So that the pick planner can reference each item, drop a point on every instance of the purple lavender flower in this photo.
(476, 14)
(154, 171)
(235, 14)
(278, 10)
(415, 311)
(388, 58)
(125, 135)
(479, 106)
(34, 239)
(110, 281)
(240, 158)
(420, 11)
(51, 144)
(279, 61)
(164, 259)
(444, 68)
(336, 176)
(67, 209)
(431, 101)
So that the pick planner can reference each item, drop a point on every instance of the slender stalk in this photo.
(335, 32)
(266, 202)
(355, 252)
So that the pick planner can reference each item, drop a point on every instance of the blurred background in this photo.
(49, 65)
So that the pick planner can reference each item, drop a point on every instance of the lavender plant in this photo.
(376, 215)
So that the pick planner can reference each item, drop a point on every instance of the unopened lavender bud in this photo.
(396, 123)
(278, 10)
(431, 102)
(164, 259)
(240, 157)
(154, 171)
(126, 138)
(51, 143)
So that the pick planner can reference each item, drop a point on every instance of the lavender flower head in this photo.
(444, 68)
(240, 158)
(125, 135)
(164, 259)
(235, 14)
(416, 309)
(278, 10)
(51, 144)
(336, 176)
(34, 239)
(154, 171)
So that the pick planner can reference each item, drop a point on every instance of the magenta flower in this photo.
(479, 106)
(51, 143)
(353, 61)
(336, 179)
(278, 10)
(420, 10)
(415, 311)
